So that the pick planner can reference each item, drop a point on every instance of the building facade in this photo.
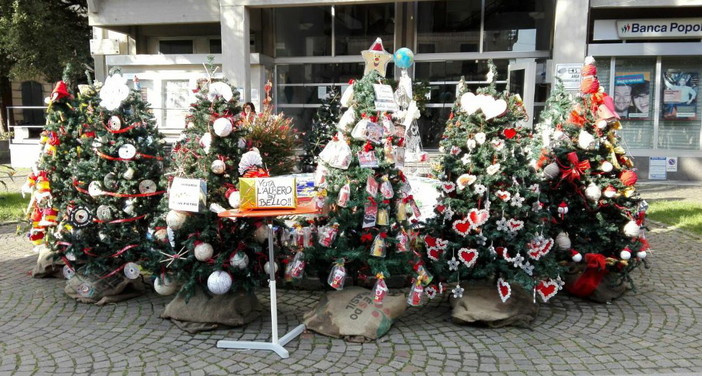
(305, 47)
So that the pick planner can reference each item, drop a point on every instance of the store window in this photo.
(634, 86)
(303, 31)
(517, 25)
(448, 26)
(680, 117)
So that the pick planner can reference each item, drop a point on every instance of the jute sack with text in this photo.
(103, 290)
(351, 314)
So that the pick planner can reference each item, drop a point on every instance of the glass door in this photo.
(522, 80)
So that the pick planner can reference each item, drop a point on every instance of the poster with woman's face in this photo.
(680, 95)
(632, 99)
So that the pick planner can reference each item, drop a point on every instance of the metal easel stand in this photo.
(275, 344)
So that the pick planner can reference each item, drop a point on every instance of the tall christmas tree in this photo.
(322, 130)
(118, 182)
(366, 227)
(589, 185)
(488, 222)
(193, 248)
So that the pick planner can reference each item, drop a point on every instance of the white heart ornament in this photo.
(470, 103)
(493, 108)
(480, 138)
(493, 169)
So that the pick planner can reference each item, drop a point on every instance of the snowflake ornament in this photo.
(457, 292)
(480, 239)
(453, 263)
(502, 225)
(448, 213)
(517, 200)
(479, 189)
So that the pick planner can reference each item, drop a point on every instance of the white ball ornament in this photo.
(606, 166)
(175, 219)
(625, 254)
(234, 199)
(203, 251)
(551, 171)
(610, 192)
(601, 124)
(632, 229)
(563, 241)
(218, 166)
(586, 140)
(267, 267)
(577, 257)
(239, 260)
(641, 254)
(219, 282)
(222, 127)
(593, 192)
(165, 285)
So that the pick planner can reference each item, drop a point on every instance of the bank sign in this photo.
(660, 28)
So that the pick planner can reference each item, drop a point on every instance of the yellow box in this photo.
(267, 193)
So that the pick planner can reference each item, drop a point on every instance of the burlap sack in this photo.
(481, 304)
(47, 266)
(101, 291)
(610, 288)
(208, 312)
(351, 314)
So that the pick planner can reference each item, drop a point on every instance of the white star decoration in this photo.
(453, 263)
(457, 292)
(170, 258)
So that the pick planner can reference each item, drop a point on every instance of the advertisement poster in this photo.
(680, 95)
(632, 95)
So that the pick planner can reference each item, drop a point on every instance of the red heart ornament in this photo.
(504, 252)
(509, 133)
(434, 253)
(430, 241)
(547, 289)
(448, 187)
(468, 256)
(515, 225)
(503, 195)
(477, 217)
(430, 291)
(441, 244)
(539, 247)
(462, 226)
(504, 289)
(440, 209)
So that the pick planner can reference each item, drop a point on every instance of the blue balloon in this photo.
(404, 58)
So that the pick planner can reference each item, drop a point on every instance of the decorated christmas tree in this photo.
(119, 191)
(322, 130)
(193, 248)
(488, 225)
(589, 186)
(274, 136)
(365, 229)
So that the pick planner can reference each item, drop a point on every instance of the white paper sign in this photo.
(672, 164)
(656, 168)
(569, 75)
(384, 98)
(188, 195)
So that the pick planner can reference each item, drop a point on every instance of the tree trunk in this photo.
(5, 101)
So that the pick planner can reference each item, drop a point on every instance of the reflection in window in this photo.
(448, 26)
(303, 31)
(516, 25)
(357, 26)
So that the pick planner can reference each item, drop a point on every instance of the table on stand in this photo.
(275, 344)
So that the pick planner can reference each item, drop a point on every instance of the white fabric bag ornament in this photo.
(347, 97)
(336, 154)
(347, 119)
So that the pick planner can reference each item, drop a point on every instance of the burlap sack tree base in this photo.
(103, 290)
(481, 305)
(350, 314)
(47, 265)
(609, 289)
(204, 312)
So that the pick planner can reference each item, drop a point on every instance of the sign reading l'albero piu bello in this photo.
(660, 28)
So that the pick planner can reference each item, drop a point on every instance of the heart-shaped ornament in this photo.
(434, 254)
(468, 256)
(492, 169)
(440, 209)
(547, 289)
(539, 247)
(470, 103)
(430, 291)
(465, 180)
(430, 241)
(509, 133)
(480, 138)
(504, 289)
(477, 217)
(515, 225)
(462, 226)
(503, 195)
(448, 187)
(493, 108)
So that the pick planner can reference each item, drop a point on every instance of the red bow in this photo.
(578, 167)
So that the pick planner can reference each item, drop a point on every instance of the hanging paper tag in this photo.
(370, 214)
(384, 98)
(188, 195)
(367, 159)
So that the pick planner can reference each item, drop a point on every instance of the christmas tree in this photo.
(193, 248)
(322, 130)
(274, 136)
(488, 223)
(589, 185)
(119, 191)
(366, 227)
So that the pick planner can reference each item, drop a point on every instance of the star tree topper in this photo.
(376, 58)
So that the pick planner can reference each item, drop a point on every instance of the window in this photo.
(215, 46)
(633, 99)
(357, 26)
(303, 31)
(184, 46)
(680, 117)
(516, 25)
(32, 96)
(448, 26)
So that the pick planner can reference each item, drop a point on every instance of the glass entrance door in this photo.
(522, 80)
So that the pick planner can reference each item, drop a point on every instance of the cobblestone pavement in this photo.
(655, 330)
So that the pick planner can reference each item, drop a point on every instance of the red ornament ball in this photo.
(628, 178)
